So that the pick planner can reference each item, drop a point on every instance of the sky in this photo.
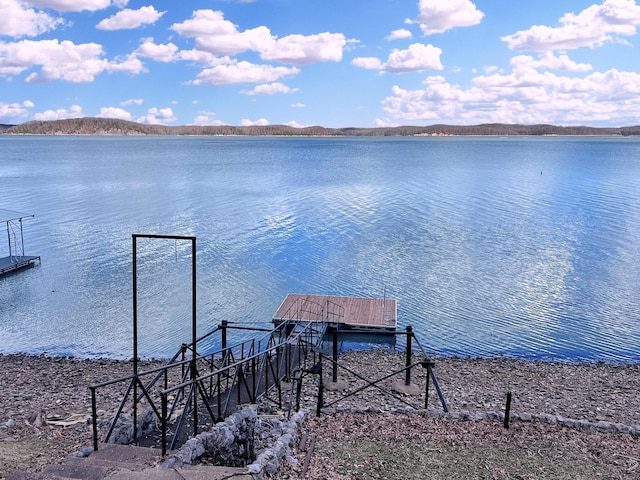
(335, 63)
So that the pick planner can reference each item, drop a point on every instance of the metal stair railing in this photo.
(245, 365)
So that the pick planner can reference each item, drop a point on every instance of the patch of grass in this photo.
(367, 459)
(31, 454)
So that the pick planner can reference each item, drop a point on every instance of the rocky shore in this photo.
(45, 402)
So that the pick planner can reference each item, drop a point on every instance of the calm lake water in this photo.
(525, 247)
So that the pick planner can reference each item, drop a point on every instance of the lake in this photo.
(523, 246)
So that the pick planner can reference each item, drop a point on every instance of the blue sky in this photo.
(336, 63)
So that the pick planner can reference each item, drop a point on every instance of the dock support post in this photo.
(334, 377)
(407, 378)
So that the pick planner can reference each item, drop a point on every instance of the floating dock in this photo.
(16, 259)
(344, 312)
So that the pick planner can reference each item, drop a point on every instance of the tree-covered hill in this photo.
(111, 126)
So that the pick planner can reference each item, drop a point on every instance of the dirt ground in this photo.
(45, 403)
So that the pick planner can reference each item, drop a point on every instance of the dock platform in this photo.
(16, 259)
(345, 312)
(9, 264)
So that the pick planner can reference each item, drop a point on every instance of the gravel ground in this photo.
(44, 404)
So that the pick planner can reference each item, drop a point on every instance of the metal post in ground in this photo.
(320, 390)
(407, 378)
(507, 411)
(223, 328)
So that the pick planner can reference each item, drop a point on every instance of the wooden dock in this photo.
(347, 312)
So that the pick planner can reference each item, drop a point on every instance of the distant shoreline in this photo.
(113, 127)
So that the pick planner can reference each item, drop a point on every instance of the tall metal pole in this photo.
(135, 340)
(194, 335)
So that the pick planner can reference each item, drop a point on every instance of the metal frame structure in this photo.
(194, 334)
(16, 259)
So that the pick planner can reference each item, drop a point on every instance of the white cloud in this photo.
(76, 5)
(132, 101)
(438, 16)
(75, 111)
(128, 19)
(18, 21)
(370, 63)
(304, 50)
(158, 116)
(548, 61)
(417, 57)
(270, 89)
(159, 53)
(592, 27)
(298, 105)
(130, 64)
(218, 36)
(524, 96)
(58, 60)
(248, 123)
(199, 56)
(399, 34)
(206, 119)
(242, 72)
(114, 112)
(11, 112)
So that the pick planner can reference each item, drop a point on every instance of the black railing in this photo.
(224, 379)
(405, 371)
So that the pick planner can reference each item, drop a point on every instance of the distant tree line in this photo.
(112, 126)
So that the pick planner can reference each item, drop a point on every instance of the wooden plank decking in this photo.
(355, 312)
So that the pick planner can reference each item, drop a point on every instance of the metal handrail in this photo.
(409, 365)
(234, 362)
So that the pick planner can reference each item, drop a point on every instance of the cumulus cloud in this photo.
(158, 116)
(159, 53)
(214, 34)
(399, 34)
(417, 57)
(437, 16)
(58, 60)
(304, 50)
(206, 119)
(270, 89)
(128, 19)
(242, 72)
(74, 111)
(76, 5)
(16, 20)
(248, 123)
(77, 63)
(548, 61)
(11, 112)
(132, 101)
(114, 112)
(594, 26)
(522, 96)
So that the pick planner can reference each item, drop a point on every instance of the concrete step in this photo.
(120, 456)
(126, 462)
